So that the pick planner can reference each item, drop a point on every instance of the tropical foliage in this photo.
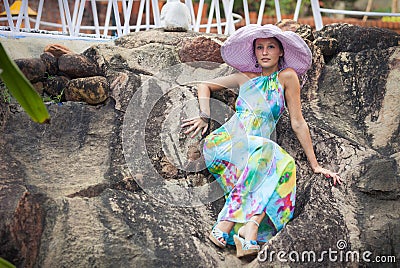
(21, 89)
(5, 264)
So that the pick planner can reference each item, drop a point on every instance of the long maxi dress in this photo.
(255, 173)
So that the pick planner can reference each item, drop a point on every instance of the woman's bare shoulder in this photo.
(288, 76)
(287, 73)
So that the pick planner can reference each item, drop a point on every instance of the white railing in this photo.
(317, 10)
(71, 17)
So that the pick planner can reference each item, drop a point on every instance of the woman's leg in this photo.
(246, 240)
(250, 230)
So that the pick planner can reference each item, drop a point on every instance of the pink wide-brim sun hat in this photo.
(238, 51)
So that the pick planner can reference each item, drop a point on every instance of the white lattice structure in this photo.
(119, 13)
(70, 17)
(317, 10)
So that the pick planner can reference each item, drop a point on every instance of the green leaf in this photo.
(5, 264)
(21, 89)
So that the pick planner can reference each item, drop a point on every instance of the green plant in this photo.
(252, 5)
(331, 3)
(49, 76)
(21, 89)
(286, 6)
(4, 93)
(54, 99)
(5, 264)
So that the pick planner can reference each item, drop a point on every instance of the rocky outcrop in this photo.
(118, 184)
(33, 69)
(77, 66)
(54, 75)
(51, 63)
(352, 38)
(57, 50)
(92, 90)
(201, 49)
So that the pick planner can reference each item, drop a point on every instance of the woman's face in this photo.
(267, 52)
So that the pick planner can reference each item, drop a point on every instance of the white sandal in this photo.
(246, 247)
(215, 236)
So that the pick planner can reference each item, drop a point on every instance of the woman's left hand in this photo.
(195, 125)
(329, 174)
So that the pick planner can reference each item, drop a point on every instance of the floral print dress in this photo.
(255, 173)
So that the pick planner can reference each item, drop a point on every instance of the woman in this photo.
(257, 175)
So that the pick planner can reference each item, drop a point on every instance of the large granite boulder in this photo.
(118, 184)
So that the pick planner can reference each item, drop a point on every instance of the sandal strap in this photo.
(217, 233)
(248, 244)
(253, 221)
(238, 232)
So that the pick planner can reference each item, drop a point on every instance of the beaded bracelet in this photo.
(205, 117)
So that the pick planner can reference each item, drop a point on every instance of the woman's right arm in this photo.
(201, 122)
